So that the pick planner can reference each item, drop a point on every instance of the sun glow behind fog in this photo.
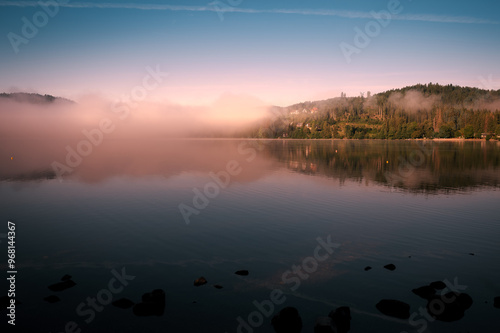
(65, 122)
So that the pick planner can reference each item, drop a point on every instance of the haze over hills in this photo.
(33, 98)
(418, 111)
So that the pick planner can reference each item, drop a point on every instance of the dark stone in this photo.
(216, 286)
(242, 273)
(324, 325)
(66, 277)
(394, 308)
(367, 268)
(60, 286)
(153, 304)
(52, 299)
(449, 307)
(390, 267)
(471, 254)
(5, 302)
(426, 292)
(200, 281)
(342, 319)
(496, 302)
(287, 321)
(123, 303)
(438, 285)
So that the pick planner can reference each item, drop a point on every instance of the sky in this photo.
(280, 52)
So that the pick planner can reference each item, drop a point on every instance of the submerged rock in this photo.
(342, 319)
(52, 299)
(123, 303)
(390, 267)
(449, 307)
(242, 273)
(60, 286)
(426, 292)
(287, 321)
(438, 285)
(200, 281)
(367, 268)
(496, 302)
(394, 308)
(216, 286)
(66, 277)
(153, 304)
(5, 302)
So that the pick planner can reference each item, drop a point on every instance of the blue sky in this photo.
(282, 52)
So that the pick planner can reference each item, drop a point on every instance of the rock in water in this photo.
(242, 273)
(342, 319)
(287, 321)
(200, 281)
(496, 302)
(60, 286)
(438, 285)
(390, 267)
(426, 292)
(449, 307)
(394, 308)
(123, 303)
(66, 277)
(216, 286)
(52, 299)
(4, 302)
(153, 304)
(367, 268)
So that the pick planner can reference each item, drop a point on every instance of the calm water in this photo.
(421, 206)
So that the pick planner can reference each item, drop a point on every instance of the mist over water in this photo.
(65, 121)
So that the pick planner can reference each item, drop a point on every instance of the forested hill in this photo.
(33, 98)
(419, 111)
(449, 94)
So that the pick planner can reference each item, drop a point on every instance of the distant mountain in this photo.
(34, 98)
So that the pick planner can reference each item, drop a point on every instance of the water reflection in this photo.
(416, 166)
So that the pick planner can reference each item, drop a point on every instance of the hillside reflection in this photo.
(415, 166)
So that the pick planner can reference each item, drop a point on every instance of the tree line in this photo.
(414, 112)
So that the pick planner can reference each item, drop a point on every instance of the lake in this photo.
(303, 217)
